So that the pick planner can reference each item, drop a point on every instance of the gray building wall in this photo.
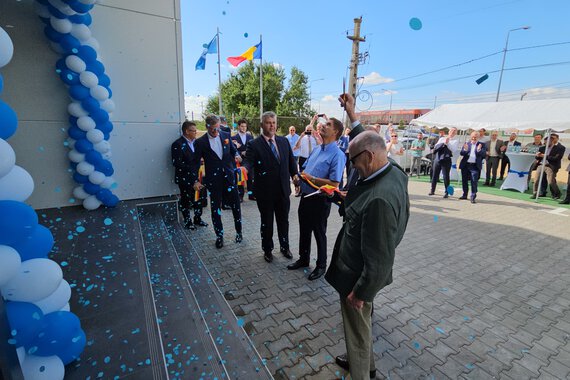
(140, 46)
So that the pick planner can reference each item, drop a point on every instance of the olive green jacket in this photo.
(377, 213)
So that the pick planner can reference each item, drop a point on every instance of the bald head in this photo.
(368, 153)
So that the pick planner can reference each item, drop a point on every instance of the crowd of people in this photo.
(373, 202)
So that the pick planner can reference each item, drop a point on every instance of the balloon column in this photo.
(47, 336)
(67, 28)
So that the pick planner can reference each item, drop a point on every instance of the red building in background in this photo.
(393, 116)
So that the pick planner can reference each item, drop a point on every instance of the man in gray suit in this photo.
(494, 154)
(364, 251)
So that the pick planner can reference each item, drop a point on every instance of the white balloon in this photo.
(62, 7)
(21, 352)
(7, 158)
(95, 136)
(6, 48)
(56, 47)
(81, 32)
(91, 203)
(75, 156)
(35, 280)
(96, 177)
(102, 146)
(79, 193)
(56, 300)
(43, 368)
(85, 123)
(93, 43)
(85, 168)
(11, 261)
(88, 79)
(65, 308)
(75, 63)
(17, 185)
(108, 183)
(75, 108)
(108, 105)
(41, 10)
(61, 25)
(99, 92)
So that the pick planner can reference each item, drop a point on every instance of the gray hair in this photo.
(212, 120)
(268, 115)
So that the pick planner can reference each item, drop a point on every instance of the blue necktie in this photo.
(273, 149)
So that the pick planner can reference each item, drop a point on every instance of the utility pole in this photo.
(356, 40)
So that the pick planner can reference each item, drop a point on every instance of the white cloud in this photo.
(375, 78)
(277, 65)
(328, 98)
(193, 104)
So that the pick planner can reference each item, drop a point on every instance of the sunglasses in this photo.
(352, 159)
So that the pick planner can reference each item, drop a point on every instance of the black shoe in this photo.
(200, 222)
(446, 195)
(287, 253)
(297, 264)
(239, 238)
(492, 184)
(565, 202)
(317, 273)
(431, 193)
(463, 197)
(500, 178)
(225, 207)
(268, 256)
(556, 197)
(219, 242)
(486, 183)
(342, 361)
(189, 226)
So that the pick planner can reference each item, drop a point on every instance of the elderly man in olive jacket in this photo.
(377, 211)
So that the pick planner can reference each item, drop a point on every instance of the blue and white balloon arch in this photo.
(67, 28)
(45, 333)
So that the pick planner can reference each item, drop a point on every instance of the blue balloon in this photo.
(69, 77)
(93, 157)
(72, 120)
(100, 116)
(17, 221)
(35, 246)
(80, 178)
(104, 80)
(8, 121)
(78, 92)
(106, 136)
(112, 201)
(52, 34)
(1, 83)
(90, 104)
(110, 92)
(81, 19)
(58, 330)
(60, 65)
(83, 146)
(69, 44)
(25, 321)
(106, 168)
(91, 188)
(104, 195)
(76, 133)
(87, 54)
(54, 11)
(105, 127)
(73, 165)
(450, 190)
(96, 68)
(73, 350)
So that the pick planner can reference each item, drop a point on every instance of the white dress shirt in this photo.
(216, 145)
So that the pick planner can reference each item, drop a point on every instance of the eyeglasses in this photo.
(394, 136)
(352, 159)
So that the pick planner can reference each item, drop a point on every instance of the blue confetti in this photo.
(415, 23)
(440, 330)
(435, 218)
(64, 263)
(107, 360)
(80, 229)
(108, 221)
(240, 322)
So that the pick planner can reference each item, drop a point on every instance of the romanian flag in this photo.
(252, 53)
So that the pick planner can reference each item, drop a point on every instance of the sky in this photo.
(312, 35)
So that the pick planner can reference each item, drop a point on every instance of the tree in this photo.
(295, 100)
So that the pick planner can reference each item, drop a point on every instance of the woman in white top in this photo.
(395, 149)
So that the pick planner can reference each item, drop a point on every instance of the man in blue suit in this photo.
(219, 155)
(240, 140)
(473, 153)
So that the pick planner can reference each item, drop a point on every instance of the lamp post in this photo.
(310, 91)
(389, 112)
(505, 56)
(523, 95)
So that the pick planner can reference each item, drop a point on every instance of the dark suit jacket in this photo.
(498, 146)
(186, 163)
(441, 152)
(272, 177)
(479, 156)
(554, 158)
(243, 147)
(219, 172)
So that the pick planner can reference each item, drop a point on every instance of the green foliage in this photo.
(240, 93)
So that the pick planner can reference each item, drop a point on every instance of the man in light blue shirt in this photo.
(293, 137)
(324, 166)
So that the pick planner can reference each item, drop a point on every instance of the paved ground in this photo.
(480, 291)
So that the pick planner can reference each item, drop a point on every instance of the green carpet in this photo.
(513, 194)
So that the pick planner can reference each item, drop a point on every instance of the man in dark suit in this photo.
(224, 125)
(507, 145)
(219, 155)
(272, 159)
(240, 140)
(186, 165)
(473, 153)
(554, 155)
(443, 152)
(494, 154)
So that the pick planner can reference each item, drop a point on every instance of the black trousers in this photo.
(301, 162)
(267, 210)
(504, 162)
(470, 173)
(313, 214)
(229, 194)
(187, 202)
(442, 166)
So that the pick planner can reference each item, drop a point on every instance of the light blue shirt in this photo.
(326, 161)
(293, 141)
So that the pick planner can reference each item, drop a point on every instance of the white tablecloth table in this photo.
(517, 178)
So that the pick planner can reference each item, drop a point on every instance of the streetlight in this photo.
(505, 55)
(523, 95)
(389, 112)
(310, 91)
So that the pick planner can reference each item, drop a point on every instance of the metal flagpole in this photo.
(260, 81)
(219, 75)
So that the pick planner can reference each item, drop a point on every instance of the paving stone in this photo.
(557, 369)
(517, 371)
(531, 363)
(426, 361)
(282, 343)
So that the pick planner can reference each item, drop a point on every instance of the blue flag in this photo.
(210, 48)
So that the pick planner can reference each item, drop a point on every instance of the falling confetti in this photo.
(246, 34)
(108, 221)
(415, 23)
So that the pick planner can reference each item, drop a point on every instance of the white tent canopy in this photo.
(538, 114)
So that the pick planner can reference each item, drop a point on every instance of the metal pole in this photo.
(434, 102)
(504, 57)
(260, 84)
(219, 74)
